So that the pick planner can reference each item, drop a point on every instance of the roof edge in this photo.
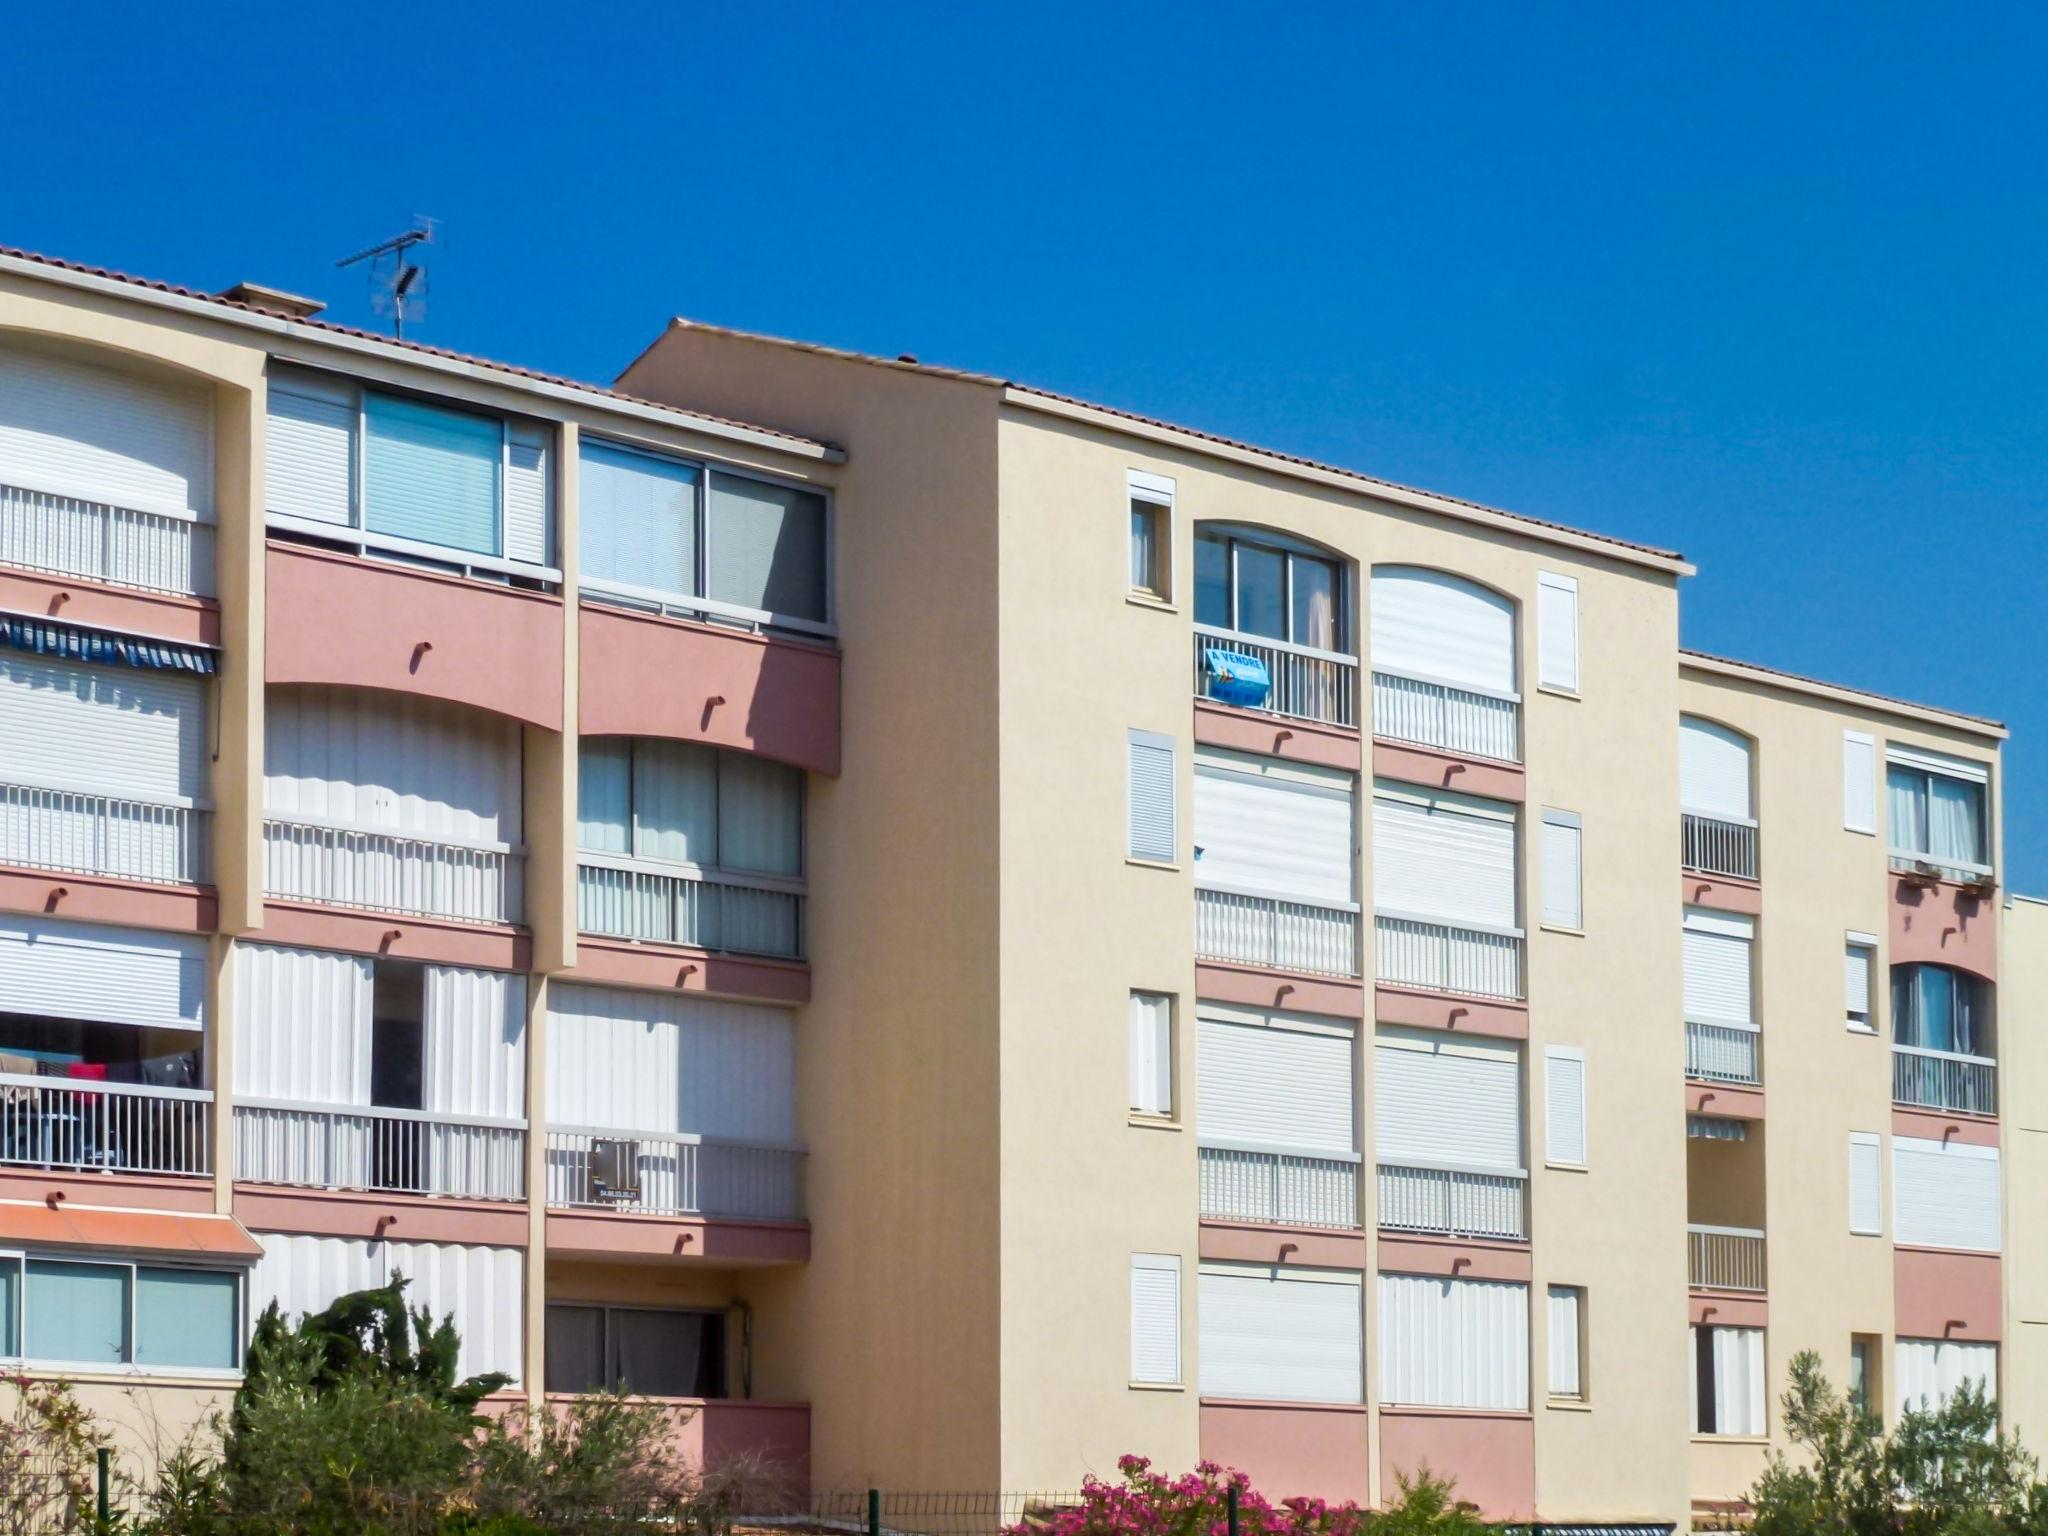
(1841, 693)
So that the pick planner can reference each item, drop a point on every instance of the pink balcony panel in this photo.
(637, 963)
(1224, 982)
(103, 899)
(72, 600)
(1301, 741)
(1462, 1258)
(1938, 1294)
(596, 1234)
(1943, 924)
(1243, 1242)
(1491, 1455)
(1497, 1018)
(710, 1431)
(1448, 770)
(1311, 1450)
(380, 1215)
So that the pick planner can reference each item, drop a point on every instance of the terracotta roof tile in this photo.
(1801, 677)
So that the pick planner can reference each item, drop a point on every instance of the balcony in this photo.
(160, 842)
(1722, 1053)
(97, 541)
(1715, 845)
(1947, 1080)
(392, 1151)
(1307, 684)
(1724, 1258)
(674, 1174)
(1442, 957)
(1447, 718)
(728, 913)
(58, 1123)
(338, 866)
(1240, 1182)
(1278, 935)
(1460, 1202)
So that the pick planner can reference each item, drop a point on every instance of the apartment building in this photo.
(956, 931)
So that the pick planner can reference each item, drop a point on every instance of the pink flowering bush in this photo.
(1146, 1503)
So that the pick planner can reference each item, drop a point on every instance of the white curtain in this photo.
(1738, 1381)
(1906, 806)
(1954, 823)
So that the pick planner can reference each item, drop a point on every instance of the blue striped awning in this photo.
(98, 645)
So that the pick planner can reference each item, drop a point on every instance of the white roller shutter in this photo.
(1276, 1334)
(1151, 1026)
(302, 1025)
(1557, 623)
(1273, 836)
(1155, 1318)
(1945, 1194)
(102, 974)
(1151, 825)
(1928, 1372)
(77, 429)
(1859, 967)
(1719, 967)
(1866, 1184)
(1454, 1343)
(1274, 1086)
(309, 452)
(1446, 858)
(1440, 1101)
(1563, 905)
(1713, 770)
(1441, 629)
(1564, 1104)
(1859, 782)
(1565, 1324)
(529, 493)
(137, 732)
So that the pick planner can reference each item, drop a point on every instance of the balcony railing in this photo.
(1724, 1258)
(95, 834)
(1714, 845)
(1448, 718)
(1241, 1182)
(1721, 1053)
(59, 1123)
(1445, 957)
(736, 914)
(1944, 1080)
(675, 1175)
(99, 542)
(1281, 935)
(1464, 1202)
(396, 1151)
(1307, 684)
(392, 872)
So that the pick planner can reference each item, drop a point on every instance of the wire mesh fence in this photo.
(884, 1512)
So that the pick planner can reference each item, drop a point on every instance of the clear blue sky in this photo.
(1765, 284)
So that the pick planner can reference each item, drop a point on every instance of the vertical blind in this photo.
(1728, 1381)
(1557, 623)
(1718, 967)
(475, 1043)
(1281, 1334)
(1945, 1194)
(1434, 626)
(686, 803)
(1564, 1104)
(77, 429)
(1930, 1371)
(1563, 869)
(1155, 1317)
(1275, 1085)
(1448, 1343)
(1150, 803)
(302, 1025)
(431, 474)
(1274, 835)
(1713, 770)
(1151, 1025)
(1450, 858)
(1440, 1100)
(638, 513)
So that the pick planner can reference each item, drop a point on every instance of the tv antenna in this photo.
(398, 283)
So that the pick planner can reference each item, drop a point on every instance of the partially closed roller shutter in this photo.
(1279, 1334)
(1719, 967)
(102, 974)
(1274, 1086)
(1270, 835)
(1439, 1100)
(78, 429)
(1442, 857)
(1945, 1194)
(1713, 770)
(137, 732)
(1433, 626)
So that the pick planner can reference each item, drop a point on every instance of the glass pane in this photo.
(1935, 997)
(604, 776)
(1955, 820)
(1212, 581)
(1905, 796)
(767, 547)
(675, 801)
(185, 1317)
(575, 1349)
(431, 474)
(10, 1307)
(669, 1354)
(1968, 1018)
(760, 815)
(639, 519)
(1261, 592)
(1315, 603)
(1903, 1027)
(1145, 520)
(78, 1312)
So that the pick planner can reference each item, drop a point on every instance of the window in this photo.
(1728, 1381)
(1446, 1103)
(1866, 1184)
(1275, 1117)
(1275, 829)
(1281, 1333)
(1433, 627)
(1866, 1390)
(662, 531)
(1154, 835)
(1859, 979)
(1935, 806)
(1155, 1318)
(1938, 1008)
(1719, 967)
(1448, 1343)
(680, 802)
(1151, 1054)
(1929, 1371)
(1151, 500)
(1564, 1105)
(1445, 858)
(644, 1350)
(1268, 588)
(1716, 799)
(1557, 627)
(1567, 1341)
(115, 1313)
(1859, 782)
(1562, 869)
(1945, 1195)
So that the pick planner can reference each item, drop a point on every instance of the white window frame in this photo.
(1155, 491)
(1548, 917)
(22, 1257)
(1555, 1053)
(1868, 943)
(1852, 743)
(1875, 1142)
(1168, 1263)
(1547, 614)
(1930, 766)
(1168, 1048)
(1234, 536)
(1578, 1392)
(1159, 741)
(631, 859)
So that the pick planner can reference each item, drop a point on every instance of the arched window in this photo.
(1254, 583)
(1939, 1008)
(1438, 628)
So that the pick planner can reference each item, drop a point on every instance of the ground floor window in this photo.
(651, 1352)
(114, 1313)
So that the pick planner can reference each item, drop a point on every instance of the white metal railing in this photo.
(1944, 1080)
(1282, 935)
(403, 1151)
(101, 542)
(50, 1122)
(1905, 861)
(1243, 1182)
(1724, 1258)
(1442, 715)
(1446, 957)
(1307, 684)
(1715, 845)
(96, 834)
(392, 872)
(1465, 1202)
(1721, 1053)
(739, 914)
(679, 1175)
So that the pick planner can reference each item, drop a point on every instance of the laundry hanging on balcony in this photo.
(74, 643)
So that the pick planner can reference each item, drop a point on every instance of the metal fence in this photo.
(734, 914)
(1307, 684)
(1451, 719)
(59, 1123)
(1725, 1258)
(1944, 1080)
(391, 872)
(95, 834)
(1284, 935)
(1721, 1053)
(1712, 845)
(105, 543)
(403, 1151)
(1442, 957)
(1459, 1201)
(1256, 1184)
(669, 1174)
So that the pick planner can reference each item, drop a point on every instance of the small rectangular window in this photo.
(1557, 625)
(186, 1319)
(1866, 1390)
(1564, 1104)
(1859, 973)
(432, 475)
(1567, 1341)
(1936, 807)
(1866, 1184)
(78, 1313)
(1151, 1053)
(1729, 1388)
(1859, 782)
(1154, 828)
(1563, 873)
(1155, 1318)
(1151, 502)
